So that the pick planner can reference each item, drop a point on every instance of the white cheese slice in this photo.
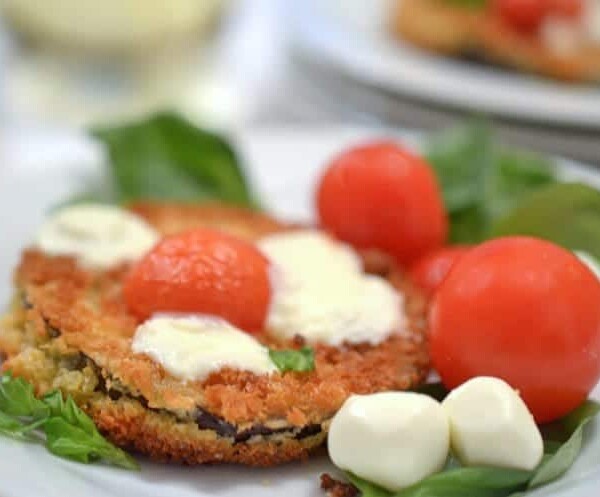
(99, 236)
(192, 347)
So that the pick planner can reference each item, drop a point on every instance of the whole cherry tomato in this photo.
(381, 196)
(429, 271)
(524, 310)
(523, 15)
(205, 272)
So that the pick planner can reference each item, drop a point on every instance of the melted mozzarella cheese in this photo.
(321, 293)
(490, 425)
(99, 236)
(393, 439)
(192, 347)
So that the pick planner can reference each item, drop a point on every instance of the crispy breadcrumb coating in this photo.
(70, 328)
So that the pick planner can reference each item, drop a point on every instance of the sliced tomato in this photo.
(382, 196)
(204, 272)
(526, 311)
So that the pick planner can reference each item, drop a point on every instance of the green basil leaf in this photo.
(563, 457)
(78, 418)
(457, 482)
(367, 489)
(12, 427)
(293, 360)
(566, 213)
(70, 412)
(75, 442)
(459, 157)
(481, 181)
(519, 173)
(17, 398)
(469, 482)
(463, 159)
(20, 431)
(469, 225)
(9, 424)
(69, 432)
(70, 442)
(166, 157)
(54, 401)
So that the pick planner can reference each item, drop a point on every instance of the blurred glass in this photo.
(110, 26)
(91, 61)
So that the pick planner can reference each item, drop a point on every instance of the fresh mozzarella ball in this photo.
(490, 425)
(393, 439)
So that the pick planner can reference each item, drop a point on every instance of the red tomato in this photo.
(526, 311)
(429, 271)
(384, 197)
(202, 271)
(566, 8)
(523, 15)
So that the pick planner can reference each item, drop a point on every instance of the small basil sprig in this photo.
(64, 428)
(302, 360)
(562, 444)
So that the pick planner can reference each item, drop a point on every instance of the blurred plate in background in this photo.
(355, 39)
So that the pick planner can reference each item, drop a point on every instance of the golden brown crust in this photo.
(452, 30)
(171, 218)
(129, 425)
(87, 309)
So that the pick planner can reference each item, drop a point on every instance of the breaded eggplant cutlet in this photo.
(70, 328)
(457, 30)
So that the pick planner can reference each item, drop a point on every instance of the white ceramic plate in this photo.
(39, 169)
(353, 36)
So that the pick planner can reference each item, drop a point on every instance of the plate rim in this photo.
(323, 39)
